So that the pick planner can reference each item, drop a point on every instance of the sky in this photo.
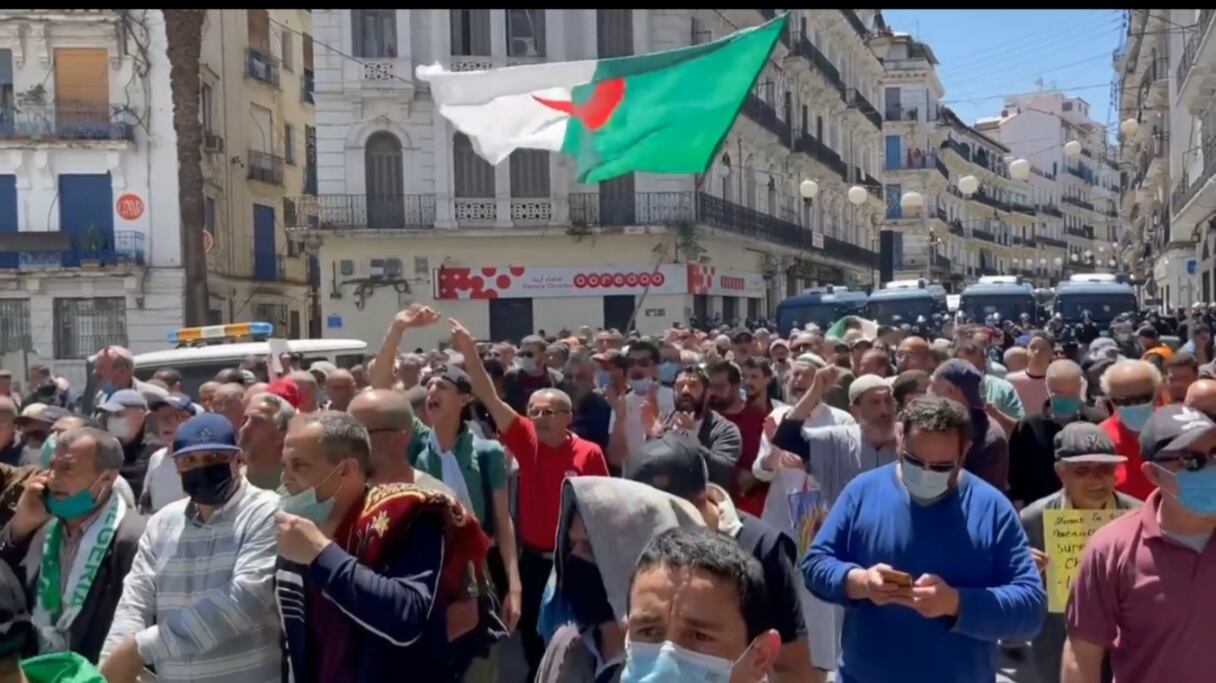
(986, 54)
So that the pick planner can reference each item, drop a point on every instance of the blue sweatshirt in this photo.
(972, 539)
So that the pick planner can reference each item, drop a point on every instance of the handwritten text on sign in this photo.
(1064, 535)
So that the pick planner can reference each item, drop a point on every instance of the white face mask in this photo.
(117, 425)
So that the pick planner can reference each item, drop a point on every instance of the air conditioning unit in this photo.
(524, 46)
(213, 143)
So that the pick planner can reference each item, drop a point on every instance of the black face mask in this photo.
(583, 589)
(209, 485)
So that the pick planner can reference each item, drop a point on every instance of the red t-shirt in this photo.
(541, 472)
(750, 422)
(1129, 478)
(331, 635)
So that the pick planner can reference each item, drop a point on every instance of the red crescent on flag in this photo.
(598, 108)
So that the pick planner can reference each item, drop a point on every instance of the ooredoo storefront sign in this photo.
(513, 282)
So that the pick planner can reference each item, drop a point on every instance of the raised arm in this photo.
(380, 375)
(504, 415)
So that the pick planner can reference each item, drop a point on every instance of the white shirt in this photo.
(162, 483)
(824, 621)
(635, 431)
(452, 476)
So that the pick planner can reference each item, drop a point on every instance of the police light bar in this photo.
(188, 335)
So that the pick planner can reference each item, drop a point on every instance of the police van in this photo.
(1005, 295)
(820, 305)
(1105, 295)
(904, 301)
(200, 352)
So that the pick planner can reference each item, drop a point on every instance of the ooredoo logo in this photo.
(732, 283)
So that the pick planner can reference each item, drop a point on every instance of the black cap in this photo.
(1173, 428)
(1085, 442)
(741, 336)
(455, 375)
(672, 464)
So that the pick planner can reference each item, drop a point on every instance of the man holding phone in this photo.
(933, 569)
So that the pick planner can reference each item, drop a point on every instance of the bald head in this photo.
(914, 353)
(229, 401)
(381, 409)
(114, 365)
(206, 391)
(340, 388)
(1016, 358)
(307, 384)
(1202, 396)
(1131, 379)
(1065, 379)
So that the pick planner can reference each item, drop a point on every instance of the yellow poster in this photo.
(1064, 535)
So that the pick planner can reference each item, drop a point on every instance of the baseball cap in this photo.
(39, 413)
(741, 336)
(123, 399)
(15, 623)
(286, 390)
(672, 464)
(1085, 442)
(865, 383)
(1173, 428)
(322, 367)
(173, 400)
(455, 375)
(206, 433)
(779, 342)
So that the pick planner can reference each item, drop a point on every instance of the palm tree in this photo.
(184, 34)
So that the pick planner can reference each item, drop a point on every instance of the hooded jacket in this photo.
(621, 517)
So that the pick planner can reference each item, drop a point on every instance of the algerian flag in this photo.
(664, 112)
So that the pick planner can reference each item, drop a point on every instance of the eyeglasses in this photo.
(925, 465)
(1131, 400)
(1192, 461)
(383, 430)
(545, 412)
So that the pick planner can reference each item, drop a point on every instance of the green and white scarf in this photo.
(53, 615)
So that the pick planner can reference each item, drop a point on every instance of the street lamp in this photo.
(809, 189)
(1129, 126)
(912, 201)
(1019, 169)
(857, 195)
(968, 185)
(1072, 148)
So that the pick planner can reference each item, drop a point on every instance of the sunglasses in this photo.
(930, 466)
(1192, 461)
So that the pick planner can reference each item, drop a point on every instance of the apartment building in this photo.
(90, 250)
(256, 105)
(405, 210)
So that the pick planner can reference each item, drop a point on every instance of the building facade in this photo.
(256, 105)
(405, 210)
(90, 251)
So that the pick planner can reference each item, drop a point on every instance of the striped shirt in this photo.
(199, 598)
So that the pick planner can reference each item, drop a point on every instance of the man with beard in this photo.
(747, 411)
(835, 455)
(719, 439)
(779, 352)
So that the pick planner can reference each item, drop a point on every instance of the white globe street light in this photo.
(968, 185)
(1059, 261)
(857, 195)
(1019, 169)
(911, 201)
(1072, 148)
(1129, 126)
(809, 189)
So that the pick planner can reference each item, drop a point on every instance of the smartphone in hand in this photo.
(896, 577)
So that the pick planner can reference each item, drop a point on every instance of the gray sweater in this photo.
(1047, 647)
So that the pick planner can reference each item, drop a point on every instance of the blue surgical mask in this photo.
(107, 389)
(667, 662)
(641, 386)
(1136, 416)
(668, 371)
(1065, 406)
(526, 364)
(76, 505)
(305, 504)
(603, 378)
(1197, 491)
(925, 485)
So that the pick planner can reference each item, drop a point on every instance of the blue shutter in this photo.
(86, 212)
(893, 155)
(8, 216)
(264, 252)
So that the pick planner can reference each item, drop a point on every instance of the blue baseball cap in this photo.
(123, 399)
(173, 400)
(206, 433)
